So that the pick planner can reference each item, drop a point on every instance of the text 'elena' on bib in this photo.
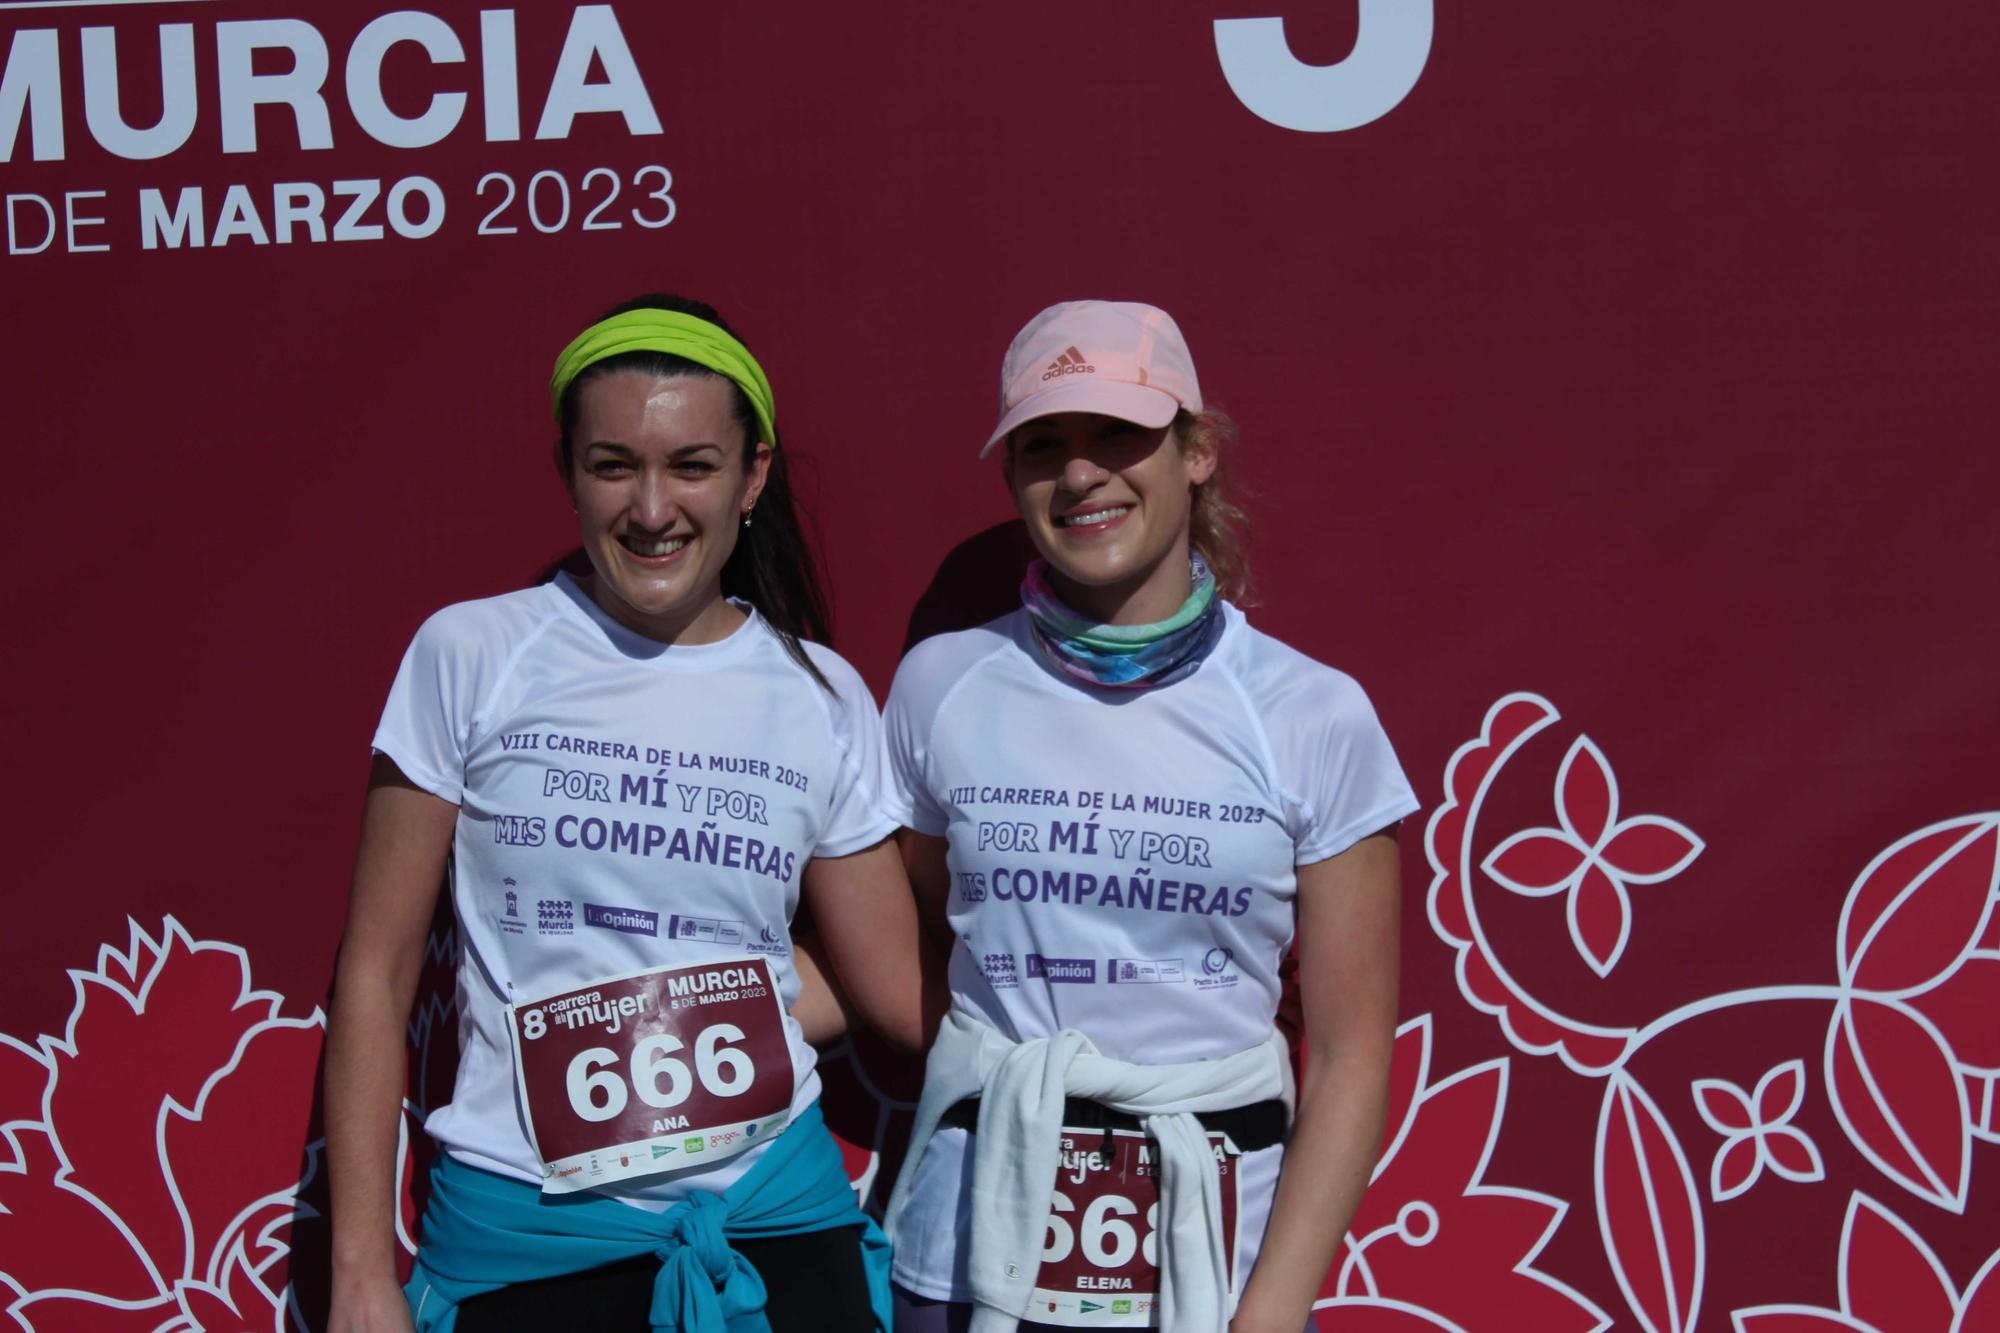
(660, 1071)
(1100, 1253)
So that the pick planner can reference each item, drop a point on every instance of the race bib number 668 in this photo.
(664, 1070)
(1100, 1251)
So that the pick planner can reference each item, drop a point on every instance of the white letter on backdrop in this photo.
(72, 220)
(236, 43)
(301, 203)
(364, 79)
(1389, 53)
(156, 225)
(239, 217)
(501, 84)
(14, 246)
(32, 86)
(177, 96)
(594, 30)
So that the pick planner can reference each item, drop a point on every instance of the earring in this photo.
(746, 516)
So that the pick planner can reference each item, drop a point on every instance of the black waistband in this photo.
(1258, 1125)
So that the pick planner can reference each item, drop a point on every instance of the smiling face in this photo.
(660, 483)
(1107, 503)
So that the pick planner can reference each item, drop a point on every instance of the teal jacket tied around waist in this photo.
(484, 1231)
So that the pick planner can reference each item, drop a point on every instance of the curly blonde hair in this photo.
(1217, 525)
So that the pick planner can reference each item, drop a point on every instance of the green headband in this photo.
(676, 334)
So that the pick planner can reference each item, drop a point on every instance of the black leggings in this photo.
(815, 1281)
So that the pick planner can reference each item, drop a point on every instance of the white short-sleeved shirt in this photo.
(1123, 861)
(608, 787)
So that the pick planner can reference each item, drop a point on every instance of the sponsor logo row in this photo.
(691, 1145)
(1215, 968)
(1057, 1302)
(557, 916)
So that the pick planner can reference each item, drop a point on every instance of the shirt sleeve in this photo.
(907, 720)
(1344, 775)
(857, 816)
(426, 724)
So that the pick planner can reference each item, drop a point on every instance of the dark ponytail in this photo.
(772, 567)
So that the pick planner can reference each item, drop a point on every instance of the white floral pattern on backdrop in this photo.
(161, 1169)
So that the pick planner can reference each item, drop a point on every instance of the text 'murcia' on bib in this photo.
(1100, 1253)
(652, 1072)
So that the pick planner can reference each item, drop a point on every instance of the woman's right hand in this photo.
(406, 837)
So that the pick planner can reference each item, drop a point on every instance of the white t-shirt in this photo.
(1123, 860)
(610, 788)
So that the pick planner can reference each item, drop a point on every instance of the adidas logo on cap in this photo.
(1070, 362)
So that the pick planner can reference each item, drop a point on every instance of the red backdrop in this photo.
(1610, 407)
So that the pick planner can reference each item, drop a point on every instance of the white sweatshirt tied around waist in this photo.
(1016, 1149)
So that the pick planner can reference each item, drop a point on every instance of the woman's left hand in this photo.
(1349, 909)
(1251, 1317)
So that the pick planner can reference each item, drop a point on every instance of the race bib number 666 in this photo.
(678, 1067)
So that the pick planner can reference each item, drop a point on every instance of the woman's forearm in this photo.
(1349, 910)
(1332, 1151)
(824, 1014)
(405, 838)
(364, 1106)
(868, 926)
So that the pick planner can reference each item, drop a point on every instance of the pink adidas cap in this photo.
(1117, 358)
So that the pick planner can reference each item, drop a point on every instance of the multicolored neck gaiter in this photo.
(1133, 657)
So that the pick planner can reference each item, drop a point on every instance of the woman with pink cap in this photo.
(1122, 805)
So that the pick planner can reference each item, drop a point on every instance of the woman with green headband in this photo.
(631, 778)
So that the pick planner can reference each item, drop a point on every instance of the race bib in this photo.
(1100, 1257)
(654, 1072)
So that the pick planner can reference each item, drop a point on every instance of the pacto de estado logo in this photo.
(266, 85)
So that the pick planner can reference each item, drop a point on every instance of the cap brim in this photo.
(1139, 404)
